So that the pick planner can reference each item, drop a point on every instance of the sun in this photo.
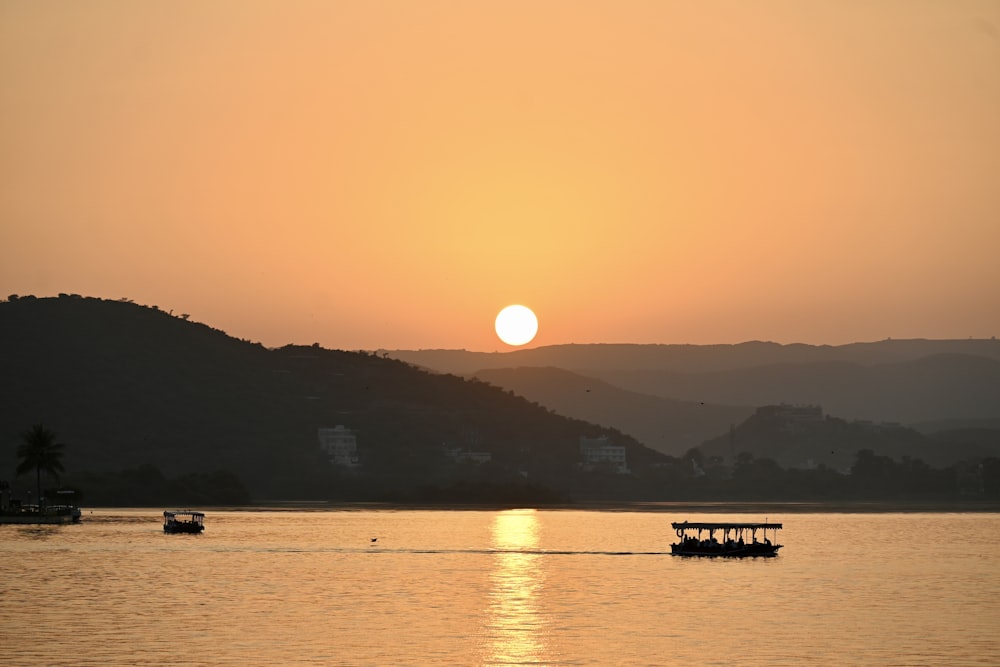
(516, 325)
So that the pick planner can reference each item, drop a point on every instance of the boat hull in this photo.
(183, 528)
(40, 519)
(739, 539)
(747, 551)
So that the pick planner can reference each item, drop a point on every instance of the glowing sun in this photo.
(516, 325)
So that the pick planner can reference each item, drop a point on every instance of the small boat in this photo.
(739, 540)
(52, 514)
(183, 521)
(13, 511)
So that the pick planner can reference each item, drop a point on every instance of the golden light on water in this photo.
(515, 628)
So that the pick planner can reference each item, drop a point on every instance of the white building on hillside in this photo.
(599, 451)
(341, 445)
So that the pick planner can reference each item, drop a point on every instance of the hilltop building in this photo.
(341, 445)
(597, 452)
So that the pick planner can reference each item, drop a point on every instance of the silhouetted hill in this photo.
(667, 425)
(942, 386)
(125, 385)
(595, 359)
(893, 380)
(834, 443)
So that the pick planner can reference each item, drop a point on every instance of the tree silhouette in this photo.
(39, 451)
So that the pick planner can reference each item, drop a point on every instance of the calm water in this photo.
(497, 588)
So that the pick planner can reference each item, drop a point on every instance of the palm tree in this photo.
(39, 451)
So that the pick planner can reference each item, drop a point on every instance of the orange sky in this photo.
(390, 174)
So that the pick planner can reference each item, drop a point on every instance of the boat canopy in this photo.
(168, 514)
(724, 526)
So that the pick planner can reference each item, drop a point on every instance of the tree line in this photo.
(694, 476)
(871, 477)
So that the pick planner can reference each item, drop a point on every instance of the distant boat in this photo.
(52, 514)
(13, 511)
(739, 540)
(183, 521)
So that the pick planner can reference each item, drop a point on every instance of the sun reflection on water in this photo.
(514, 627)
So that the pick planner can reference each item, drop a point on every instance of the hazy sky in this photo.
(390, 174)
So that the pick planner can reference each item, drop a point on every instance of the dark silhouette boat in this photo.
(739, 540)
(183, 521)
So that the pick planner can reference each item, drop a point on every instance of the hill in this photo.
(597, 358)
(725, 432)
(664, 424)
(805, 438)
(937, 387)
(126, 385)
(907, 381)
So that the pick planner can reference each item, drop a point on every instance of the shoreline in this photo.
(701, 507)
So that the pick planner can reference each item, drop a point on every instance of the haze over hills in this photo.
(909, 381)
(936, 387)
(595, 359)
(664, 424)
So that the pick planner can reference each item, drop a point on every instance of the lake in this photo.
(515, 587)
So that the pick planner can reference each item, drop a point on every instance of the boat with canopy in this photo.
(183, 521)
(738, 540)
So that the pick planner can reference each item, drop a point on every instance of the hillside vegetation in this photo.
(127, 386)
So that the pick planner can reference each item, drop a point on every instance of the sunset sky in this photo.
(391, 174)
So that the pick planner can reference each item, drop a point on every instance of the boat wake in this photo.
(521, 552)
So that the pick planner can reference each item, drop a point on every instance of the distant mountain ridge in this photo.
(596, 358)
(664, 424)
(937, 387)
(907, 380)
